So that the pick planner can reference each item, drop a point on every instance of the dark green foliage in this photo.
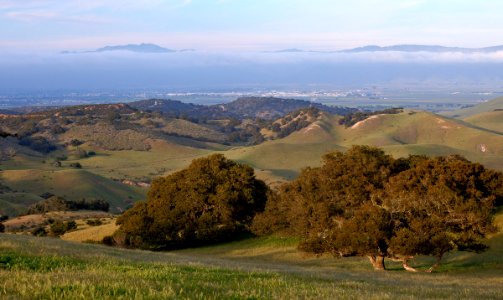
(94, 222)
(59, 228)
(89, 204)
(71, 225)
(56, 129)
(366, 203)
(39, 144)
(214, 199)
(39, 231)
(76, 165)
(353, 118)
(75, 142)
(46, 195)
(2, 227)
(108, 240)
(55, 203)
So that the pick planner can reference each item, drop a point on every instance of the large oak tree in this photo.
(214, 199)
(365, 203)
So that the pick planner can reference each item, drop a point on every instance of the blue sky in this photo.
(248, 25)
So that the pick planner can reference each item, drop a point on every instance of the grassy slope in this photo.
(13, 204)
(254, 268)
(477, 109)
(73, 184)
(490, 120)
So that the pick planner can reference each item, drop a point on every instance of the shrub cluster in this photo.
(55, 203)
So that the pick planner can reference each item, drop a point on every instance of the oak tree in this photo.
(214, 199)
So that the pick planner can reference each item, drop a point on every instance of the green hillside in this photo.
(400, 134)
(488, 106)
(489, 120)
(73, 184)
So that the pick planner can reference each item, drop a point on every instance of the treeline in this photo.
(56, 203)
(358, 203)
(355, 117)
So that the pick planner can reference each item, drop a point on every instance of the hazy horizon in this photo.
(235, 43)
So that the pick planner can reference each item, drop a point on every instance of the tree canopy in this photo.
(365, 203)
(214, 199)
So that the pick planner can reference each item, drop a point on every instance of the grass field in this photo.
(259, 268)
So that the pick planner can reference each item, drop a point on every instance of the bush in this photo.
(95, 222)
(39, 231)
(76, 165)
(213, 200)
(2, 227)
(59, 228)
(108, 240)
(71, 225)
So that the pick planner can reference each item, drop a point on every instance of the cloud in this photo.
(34, 16)
(90, 11)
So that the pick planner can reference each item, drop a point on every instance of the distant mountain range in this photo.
(400, 48)
(153, 48)
(242, 108)
(423, 48)
(137, 48)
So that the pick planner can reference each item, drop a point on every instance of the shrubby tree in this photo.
(214, 199)
(56, 203)
(59, 228)
(365, 203)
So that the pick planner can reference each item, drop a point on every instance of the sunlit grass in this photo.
(47, 268)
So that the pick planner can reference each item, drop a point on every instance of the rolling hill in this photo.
(399, 134)
(73, 184)
(492, 120)
(488, 106)
(130, 145)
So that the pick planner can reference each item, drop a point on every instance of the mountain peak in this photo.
(141, 48)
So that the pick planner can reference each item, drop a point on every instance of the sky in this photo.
(247, 25)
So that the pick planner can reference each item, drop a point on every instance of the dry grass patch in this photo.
(91, 233)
